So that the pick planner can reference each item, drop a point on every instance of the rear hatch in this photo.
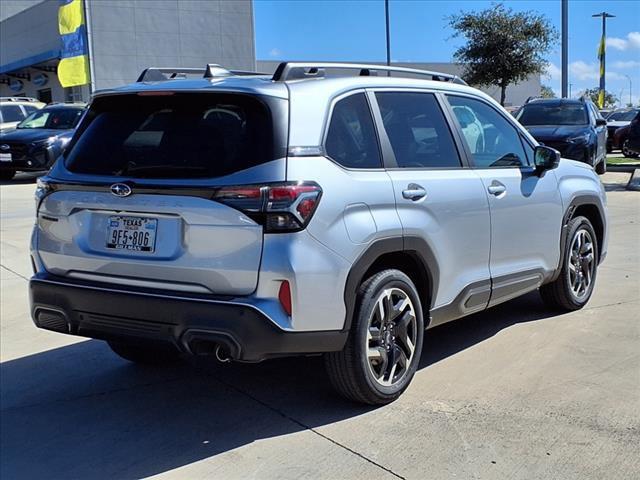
(147, 194)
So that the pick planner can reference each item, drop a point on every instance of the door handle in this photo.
(496, 188)
(414, 192)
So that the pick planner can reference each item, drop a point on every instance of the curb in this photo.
(634, 181)
(621, 168)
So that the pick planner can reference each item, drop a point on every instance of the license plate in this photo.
(5, 157)
(132, 233)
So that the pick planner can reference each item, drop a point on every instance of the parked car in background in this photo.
(13, 110)
(631, 141)
(619, 118)
(605, 112)
(573, 127)
(38, 140)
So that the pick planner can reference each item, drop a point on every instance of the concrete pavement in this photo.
(516, 392)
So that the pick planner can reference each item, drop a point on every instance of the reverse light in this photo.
(279, 207)
(284, 295)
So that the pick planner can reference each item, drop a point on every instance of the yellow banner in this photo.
(74, 71)
(70, 17)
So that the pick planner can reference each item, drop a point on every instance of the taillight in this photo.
(279, 207)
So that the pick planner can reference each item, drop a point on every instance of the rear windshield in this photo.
(541, 114)
(174, 136)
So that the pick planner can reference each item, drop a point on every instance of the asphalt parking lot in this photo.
(516, 392)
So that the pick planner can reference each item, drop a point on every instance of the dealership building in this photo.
(124, 37)
(127, 36)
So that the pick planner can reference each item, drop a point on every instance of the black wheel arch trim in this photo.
(585, 199)
(413, 245)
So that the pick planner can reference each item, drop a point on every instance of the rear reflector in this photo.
(284, 295)
(279, 207)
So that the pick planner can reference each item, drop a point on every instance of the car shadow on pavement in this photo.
(24, 178)
(81, 412)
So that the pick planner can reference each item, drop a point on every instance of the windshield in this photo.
(622, 116)
(56, 119)
(541, 114)
(174, 136)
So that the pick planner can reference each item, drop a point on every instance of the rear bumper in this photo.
(195, 325)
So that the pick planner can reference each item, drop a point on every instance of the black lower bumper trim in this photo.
(193, 325)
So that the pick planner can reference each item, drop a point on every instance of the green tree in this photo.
(610, 100)
(547, 92)
(502, 47)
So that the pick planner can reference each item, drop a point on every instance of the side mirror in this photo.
(600, 122)
(546, 158)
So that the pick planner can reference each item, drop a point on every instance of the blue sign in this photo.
(40, 79)
(15, 85)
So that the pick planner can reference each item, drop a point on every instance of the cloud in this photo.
(632, 41)
(274, 52)
(581, 70)
(626, 64)
(553, 72)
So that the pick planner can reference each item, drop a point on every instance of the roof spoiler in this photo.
(211, 70)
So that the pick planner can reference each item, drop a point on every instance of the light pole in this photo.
(565, 47)
(601, 54)
(629, 78)
(570, 85)
(386, 17)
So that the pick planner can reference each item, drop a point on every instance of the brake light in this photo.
(280, 207)
(284, 295)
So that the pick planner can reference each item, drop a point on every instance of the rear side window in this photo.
(11, 113)
(417, 130)
(351, 139)
(30, 109)
(174, 136)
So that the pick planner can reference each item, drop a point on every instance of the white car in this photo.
(13, 110)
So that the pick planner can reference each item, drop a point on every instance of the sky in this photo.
(354, 30)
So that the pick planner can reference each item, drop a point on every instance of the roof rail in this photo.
(19, 99)
(211, 70)
(299, 70)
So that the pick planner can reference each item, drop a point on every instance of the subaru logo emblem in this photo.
(4, 146)
(121, 190)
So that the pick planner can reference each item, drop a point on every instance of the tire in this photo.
(601, 168)
(626, 151)
(365, 370)
(145, 354)
(561, 294)
(6, 175)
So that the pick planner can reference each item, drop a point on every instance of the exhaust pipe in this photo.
(222, 355)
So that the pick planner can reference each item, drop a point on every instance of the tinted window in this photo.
(30, 109)
(176, 136)
(57, 119)
(622, 116)
(417, 130)
(351, 139)
(492, 140)
(552, 114)
(11, 113)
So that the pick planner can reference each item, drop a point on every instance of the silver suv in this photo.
(249, 216)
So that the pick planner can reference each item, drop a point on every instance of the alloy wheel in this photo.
(391, 337)
(581, 263)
